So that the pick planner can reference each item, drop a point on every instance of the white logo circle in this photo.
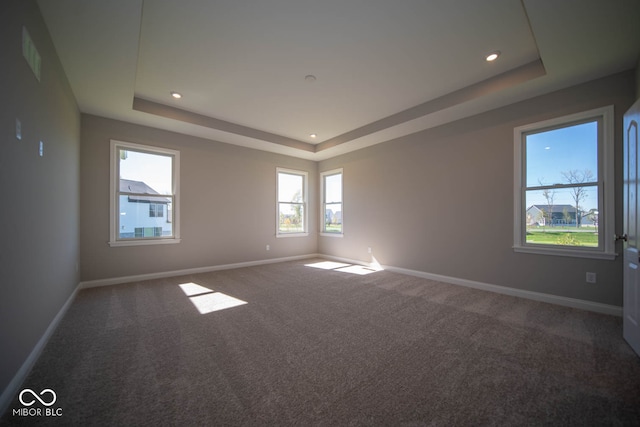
(36, 396)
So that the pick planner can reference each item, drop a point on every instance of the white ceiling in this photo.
(383, 68)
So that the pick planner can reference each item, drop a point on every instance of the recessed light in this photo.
(313, 135)
(493, 56)
(176, 95)
(310, 78)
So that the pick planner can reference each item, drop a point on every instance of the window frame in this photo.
(605, 185)
(323, 204)
(304, 202)
(114, 195)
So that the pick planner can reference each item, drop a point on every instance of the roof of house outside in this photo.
(139, 187)
(555, 208)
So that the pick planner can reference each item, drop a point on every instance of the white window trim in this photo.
(305, 203)
(323, 202)
(114, 241)
(606, 162)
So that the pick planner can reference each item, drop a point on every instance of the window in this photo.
(331, 214)
(292, 203)
(144, 195)
(564, 186)
(156, 210)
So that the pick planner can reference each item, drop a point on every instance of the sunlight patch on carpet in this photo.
(327, 265)
(344, 268)
(357, 269)
(191, 289)
(215, 301)
(207, 300)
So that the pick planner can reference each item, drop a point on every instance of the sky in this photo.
(288, 186)
(152, 169)
(333, 188)
(550, 153)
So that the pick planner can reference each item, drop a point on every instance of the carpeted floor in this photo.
(313, 346)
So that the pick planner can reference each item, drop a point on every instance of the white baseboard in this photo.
(345, 260)
(521, 293)
(536, 296)
(18, 379)
(149, 276)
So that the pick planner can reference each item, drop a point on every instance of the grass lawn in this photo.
(291, 228)
(333, 228)
(563, 237)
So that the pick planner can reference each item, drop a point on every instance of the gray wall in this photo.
(227, 204)
(441, 201)
(40, 211)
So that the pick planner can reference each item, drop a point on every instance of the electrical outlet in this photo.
(268, 247)
(369, 250)
(591, 277)
(41, 149)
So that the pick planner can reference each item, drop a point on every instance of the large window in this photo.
(564, 186)
(331, 182)
(144, 192)
(291, 202)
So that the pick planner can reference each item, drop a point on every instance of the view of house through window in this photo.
(561, 168)
(292, 204)
(332, 201)
(562, 186)
(144, 192)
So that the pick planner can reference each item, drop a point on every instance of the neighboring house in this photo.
(331, 217)
(560, 215)
(142, 214)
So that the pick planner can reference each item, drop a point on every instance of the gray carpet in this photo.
(325, 347)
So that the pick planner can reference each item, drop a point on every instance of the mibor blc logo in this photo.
(29, 398)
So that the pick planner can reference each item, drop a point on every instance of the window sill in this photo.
(278, 235)
(565, 252)
(324, 234)
(143, 242)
